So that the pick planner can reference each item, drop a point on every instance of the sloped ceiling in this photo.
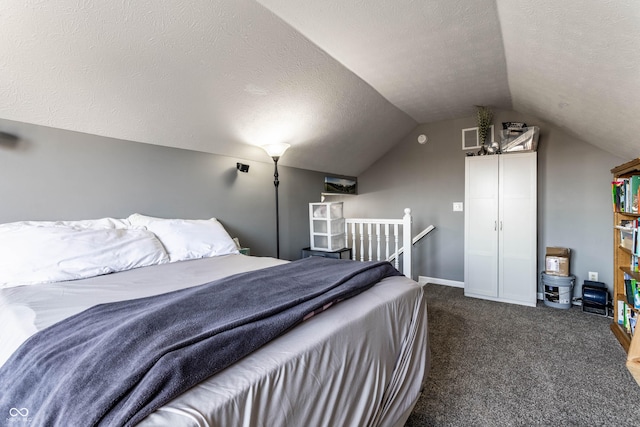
(342, 81)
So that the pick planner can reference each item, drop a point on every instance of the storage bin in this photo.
(330, 210)
(558, 290)
(330, 226)
(524, 140)
(627, 238)
(326, 226)
(328, 243)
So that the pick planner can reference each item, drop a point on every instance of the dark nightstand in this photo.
(339, 254)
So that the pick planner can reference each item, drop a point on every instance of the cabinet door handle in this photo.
(500, 225)
(495, 225)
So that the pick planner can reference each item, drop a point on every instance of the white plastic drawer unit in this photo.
(326, 210)
(329, 226)
(326, 226)
(327, 243)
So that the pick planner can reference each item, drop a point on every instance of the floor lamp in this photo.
(276, 151)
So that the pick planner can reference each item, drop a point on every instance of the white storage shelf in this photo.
(326, 226)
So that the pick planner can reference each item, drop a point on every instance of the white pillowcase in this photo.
(33, 252)
(43, 254)
(81, 224)
(139, 220)
(186, 239)
(98, 223)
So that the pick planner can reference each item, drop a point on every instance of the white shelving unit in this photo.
(326, 225)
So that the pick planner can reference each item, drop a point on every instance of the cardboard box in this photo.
(556, 261)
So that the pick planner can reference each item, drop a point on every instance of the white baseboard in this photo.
(423, 280)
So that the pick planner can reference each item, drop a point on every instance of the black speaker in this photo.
(595, 297)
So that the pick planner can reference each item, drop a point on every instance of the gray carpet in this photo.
(497, 364)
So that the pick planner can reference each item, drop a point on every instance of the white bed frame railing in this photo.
(379, 239)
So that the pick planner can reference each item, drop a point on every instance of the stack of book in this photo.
(624, 194)
(627, 309)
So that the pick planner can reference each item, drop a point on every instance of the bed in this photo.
(360, 362)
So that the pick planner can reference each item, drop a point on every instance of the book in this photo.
(623, 198)
(621, 311)
(627, 314)
(634, 187)
(636, 298)
(629, 286)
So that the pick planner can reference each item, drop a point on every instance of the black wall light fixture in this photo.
(9, 136)
(242, 167)
(8, 139)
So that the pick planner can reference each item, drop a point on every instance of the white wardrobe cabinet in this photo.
(500, 246)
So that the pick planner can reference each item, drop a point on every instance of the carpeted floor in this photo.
(497, 364)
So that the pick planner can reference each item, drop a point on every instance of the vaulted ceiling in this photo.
(342, 81)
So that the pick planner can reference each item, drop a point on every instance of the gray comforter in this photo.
(113, 364)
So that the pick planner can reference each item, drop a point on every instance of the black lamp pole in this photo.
(276, 183)
(275, 151)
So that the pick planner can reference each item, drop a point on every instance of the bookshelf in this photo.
(624, 253)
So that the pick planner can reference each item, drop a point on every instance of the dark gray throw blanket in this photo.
(115, 363)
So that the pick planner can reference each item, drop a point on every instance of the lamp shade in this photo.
(276, 150)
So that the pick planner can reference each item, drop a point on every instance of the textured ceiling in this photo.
(576, 64)
(214, 76)
(336, 76)
(433, 59)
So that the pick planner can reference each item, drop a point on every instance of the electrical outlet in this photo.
(457, 206)
(593, 276)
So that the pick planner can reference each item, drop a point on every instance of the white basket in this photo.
(520, 141)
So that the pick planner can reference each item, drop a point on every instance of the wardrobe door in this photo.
(517, 228)
(481, 226)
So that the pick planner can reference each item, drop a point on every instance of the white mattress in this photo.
(360, 363)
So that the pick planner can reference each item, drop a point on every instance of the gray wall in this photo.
(53, 174)
(56, 174)
(574, 199)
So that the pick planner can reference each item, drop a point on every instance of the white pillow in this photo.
(139, 220)
(82, 224)
(31, 255)
(98, 223)
(192, 238)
